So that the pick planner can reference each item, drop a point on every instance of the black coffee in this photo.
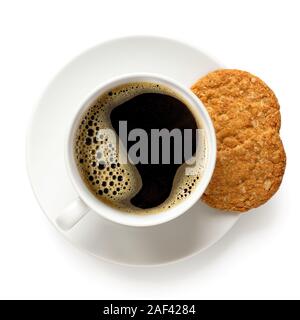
(142, 187)
(149, 111)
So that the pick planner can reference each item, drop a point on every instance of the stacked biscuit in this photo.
(250, 158)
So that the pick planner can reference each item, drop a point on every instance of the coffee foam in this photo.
(98, 159)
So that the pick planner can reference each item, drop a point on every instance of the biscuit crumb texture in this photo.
(250, 159)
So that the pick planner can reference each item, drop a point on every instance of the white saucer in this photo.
(187, 235)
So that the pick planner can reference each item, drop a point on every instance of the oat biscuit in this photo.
(251, 158)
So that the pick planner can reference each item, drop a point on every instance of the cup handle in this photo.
(72, 214)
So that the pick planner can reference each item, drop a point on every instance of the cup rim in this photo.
(131, 219)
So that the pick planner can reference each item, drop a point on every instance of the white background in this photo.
(259, 258)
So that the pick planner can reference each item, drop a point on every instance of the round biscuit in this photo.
(251, 158)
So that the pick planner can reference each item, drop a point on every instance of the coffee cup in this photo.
(86, 201)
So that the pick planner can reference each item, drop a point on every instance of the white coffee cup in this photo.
(86, 201)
